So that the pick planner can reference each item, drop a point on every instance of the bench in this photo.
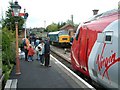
(11, 84)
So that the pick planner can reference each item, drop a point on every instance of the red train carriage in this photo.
(95, 48)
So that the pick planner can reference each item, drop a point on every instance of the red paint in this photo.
(106, 62)
(20, 14)
(83, 45)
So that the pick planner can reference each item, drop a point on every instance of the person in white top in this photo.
(40, 49)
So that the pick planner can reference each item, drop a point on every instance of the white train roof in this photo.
(57, 32)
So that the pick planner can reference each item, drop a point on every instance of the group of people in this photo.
(41, 48)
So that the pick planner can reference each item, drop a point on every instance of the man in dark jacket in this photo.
(47, 52)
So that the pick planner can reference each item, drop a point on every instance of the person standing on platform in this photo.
(40, 49)
(47, 52)
(38, 41)
(26, 45)
(31, 52)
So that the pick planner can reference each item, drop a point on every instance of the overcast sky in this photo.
(59, 10)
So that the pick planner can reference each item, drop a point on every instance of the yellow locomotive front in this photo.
(64, 39)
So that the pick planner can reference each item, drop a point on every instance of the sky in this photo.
(44, 12)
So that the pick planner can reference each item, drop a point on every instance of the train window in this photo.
(60, 33)
(64, 38)
(108, 37)
(77, 34)
(63, 32)
(78, 31)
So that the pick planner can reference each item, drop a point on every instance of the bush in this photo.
(8, 51)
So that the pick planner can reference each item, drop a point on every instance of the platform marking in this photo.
(83, 81)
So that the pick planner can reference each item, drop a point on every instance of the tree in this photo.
(70, 22)
(9, 21)
(61, 24)
(52, 27)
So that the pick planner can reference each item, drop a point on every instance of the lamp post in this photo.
(16, 10)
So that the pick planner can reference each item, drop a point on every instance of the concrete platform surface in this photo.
(33, 75)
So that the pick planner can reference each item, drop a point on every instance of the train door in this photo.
(83, 49)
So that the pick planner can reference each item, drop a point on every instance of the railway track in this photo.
(68, 64)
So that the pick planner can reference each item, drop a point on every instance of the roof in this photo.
(101, 15)
(54, 32)
(65, 26)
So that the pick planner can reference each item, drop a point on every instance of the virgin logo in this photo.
(106, 62)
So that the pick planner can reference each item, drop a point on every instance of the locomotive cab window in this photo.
(64, 38)
(77, 34)
(108, 36)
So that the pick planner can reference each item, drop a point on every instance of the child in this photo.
(31, 52)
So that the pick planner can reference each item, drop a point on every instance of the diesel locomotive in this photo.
(59, 38)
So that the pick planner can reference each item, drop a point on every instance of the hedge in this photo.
(8, 51)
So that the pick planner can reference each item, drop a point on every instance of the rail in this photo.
(57, 51)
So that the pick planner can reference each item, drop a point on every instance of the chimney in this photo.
(95, 11)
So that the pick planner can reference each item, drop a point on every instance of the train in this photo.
(95, 51)
(61, 38)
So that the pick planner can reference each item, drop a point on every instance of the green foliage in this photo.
(8, 51)
(6, 71)
(61, 24)
(119, 5)
(7, 46)
(70, 22)
(9, 21)
(53, 27)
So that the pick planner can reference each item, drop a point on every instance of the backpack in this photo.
(24, 42)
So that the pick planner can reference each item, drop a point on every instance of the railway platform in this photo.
(33, 75)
